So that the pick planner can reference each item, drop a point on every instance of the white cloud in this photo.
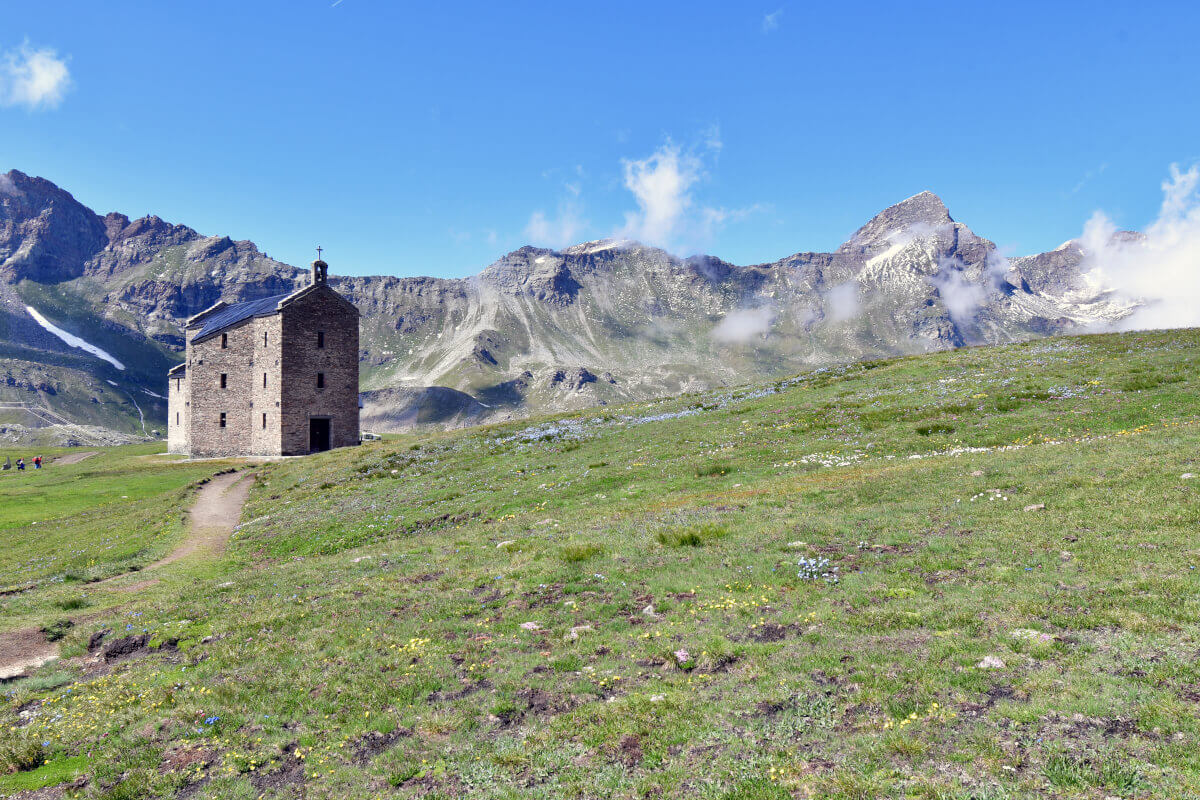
(744, 324)
(663, 185)
(33, 78)
(841, 302)
(770, 22)
(561, 231)
(963, 296)
(1160, 269)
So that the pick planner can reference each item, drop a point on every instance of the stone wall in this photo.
(266, 440)
(178, 419)
(304, 318)
(206, 362)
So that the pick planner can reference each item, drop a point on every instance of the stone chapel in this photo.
(270, 377)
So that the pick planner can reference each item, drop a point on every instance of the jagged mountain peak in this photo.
(47, 234)
(595, 246)
(921, 213)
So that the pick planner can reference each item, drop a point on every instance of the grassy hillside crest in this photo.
(969, 574)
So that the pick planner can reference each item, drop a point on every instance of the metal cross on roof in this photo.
(318, 252)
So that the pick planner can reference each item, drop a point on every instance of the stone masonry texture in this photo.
(271, 365)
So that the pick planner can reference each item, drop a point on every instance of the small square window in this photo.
(222, 419)
(224, 340)
(224, 380)
(264, 422)
(321, 339)
(320, 380)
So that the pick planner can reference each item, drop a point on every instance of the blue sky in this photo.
(431, 139)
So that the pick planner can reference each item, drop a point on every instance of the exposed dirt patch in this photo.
(193, 789)
(996, 694)
(131, 646)
(73, 458)
(289, 773)
(125, 646)
(541, 703)
(22, 651)
(96, 639)
(630, 751)
(435, 523)
(55, 792)
(137, 586)
(1119, 726)
(770, 632)
(373, 743)
(721, 664)
(770, 709)
(184, 757)
(467, 690)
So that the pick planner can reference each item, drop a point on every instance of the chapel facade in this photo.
(270, 377)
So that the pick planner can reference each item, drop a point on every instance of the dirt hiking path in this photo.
(73, 458)
(214, 515)
(212, 518)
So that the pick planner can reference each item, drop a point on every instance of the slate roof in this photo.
(231, 315)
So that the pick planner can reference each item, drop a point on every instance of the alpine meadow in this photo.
(969, 574)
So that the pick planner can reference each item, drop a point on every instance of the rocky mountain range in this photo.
(539, 330)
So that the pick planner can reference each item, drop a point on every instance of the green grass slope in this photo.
(971, 574)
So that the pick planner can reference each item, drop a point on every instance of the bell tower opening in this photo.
(320, 272)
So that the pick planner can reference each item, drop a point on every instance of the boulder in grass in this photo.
(573, 634)
(990, 662)
(1036, 507)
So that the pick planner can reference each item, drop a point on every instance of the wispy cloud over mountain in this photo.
(663, 186)
(559, 231)
(744, 324)
(1160, 268)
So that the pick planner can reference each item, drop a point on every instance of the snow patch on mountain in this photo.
(72, 339)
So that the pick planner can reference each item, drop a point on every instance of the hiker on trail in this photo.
(20, 465)
(37, 462)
